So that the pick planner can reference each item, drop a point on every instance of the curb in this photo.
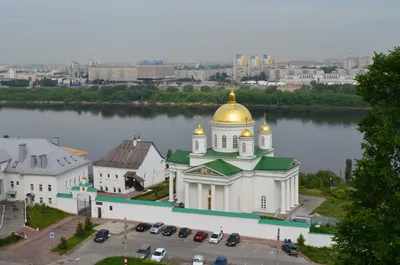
(76, 247)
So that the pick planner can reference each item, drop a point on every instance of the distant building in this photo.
(75, 70)
(12, 73)
(203, 75)
(244, 67)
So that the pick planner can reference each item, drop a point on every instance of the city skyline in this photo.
(127, 31)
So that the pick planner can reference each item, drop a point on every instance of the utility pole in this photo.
(277, 245)
(125, 243)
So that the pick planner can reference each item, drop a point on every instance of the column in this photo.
(226, 198)
(213, 197)
(292, 188)
(296, 189)
(171, 186)
(187, 195)
(283, 196)
(287, 199)
(199, 196)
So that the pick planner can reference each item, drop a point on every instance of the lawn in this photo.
(9, 240)
(322, 255)
(39, 219)
(120, 261)
(157, 192)
(73, 242)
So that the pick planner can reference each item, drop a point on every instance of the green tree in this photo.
(88, 224)
(80, 231)
(301, 240)
(172, 89)
(63, 243)
(188, 88)
(348, 170)
(369, 233)
(205, 88)
(169, 153)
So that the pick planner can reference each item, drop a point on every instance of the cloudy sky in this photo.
(46, 31)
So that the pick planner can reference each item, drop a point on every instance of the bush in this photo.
(63, 243)
(301, 240)
(88, 224)
(80, 231)
(340, 194)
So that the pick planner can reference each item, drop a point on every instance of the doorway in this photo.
(98, 212)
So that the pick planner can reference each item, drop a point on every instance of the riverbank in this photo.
(171, 104)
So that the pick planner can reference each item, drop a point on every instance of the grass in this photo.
(73, 242)
(39, 219)
(323, 229)
(313, 192)
(9, 240)
(270, 218)
(157, 192)
(322, 255)
(120, 260)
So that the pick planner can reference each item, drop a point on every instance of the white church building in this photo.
(239, 173)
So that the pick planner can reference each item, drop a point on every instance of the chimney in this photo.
(43, 163)
(138, 138)
(134, 141)
(22, 152)
(56, 140)
(33, 161)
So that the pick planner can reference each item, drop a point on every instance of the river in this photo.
(319, 139)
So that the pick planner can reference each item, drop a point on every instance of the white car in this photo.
(216, 237)
(159, 255)
(198, 260)
(157, 228)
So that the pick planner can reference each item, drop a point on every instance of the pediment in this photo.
(203, 170)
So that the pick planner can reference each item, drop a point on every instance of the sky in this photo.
(56, 31)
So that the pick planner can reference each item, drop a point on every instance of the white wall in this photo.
(152, 169)
(109, 178)
(221, 129)
(319, 240)
(68, 205)
(71, 178)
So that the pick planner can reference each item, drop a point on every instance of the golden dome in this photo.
(246, 133)
(232, 112)
(199, 130)
(265, 127)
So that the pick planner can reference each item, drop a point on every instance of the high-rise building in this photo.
(75, 70)
(12, 72)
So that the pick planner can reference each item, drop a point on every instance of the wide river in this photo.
(319, 139)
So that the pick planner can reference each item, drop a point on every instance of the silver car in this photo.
(143, 252)
(157, 228)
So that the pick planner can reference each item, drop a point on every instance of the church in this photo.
(239, 173)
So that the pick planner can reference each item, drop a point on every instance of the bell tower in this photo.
(265, 135)
(199, 139)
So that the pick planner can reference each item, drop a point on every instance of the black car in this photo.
(141, 227)
(101, 235)
(290, 249)
(233, 239)
(184, 232)
(169, 230)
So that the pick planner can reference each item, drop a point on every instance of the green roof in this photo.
(216, 213)
(257, 152)
(274, 164)
(64, 195)
(89, 189)
(223, 167)
(179, 157)
(282, 223)
(129, 201)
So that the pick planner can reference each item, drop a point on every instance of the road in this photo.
(179, 249)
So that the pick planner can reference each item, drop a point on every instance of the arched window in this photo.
(106, 188)
(243, 147)
(101, 188)
(196, 145)
(235, 141)
(223, 141)
(263, 202)
(262, 140)
(215, 141)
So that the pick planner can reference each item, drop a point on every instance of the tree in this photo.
(301, 240)
(6, 136)
(172, 89)
(369, 233)
(88, 224)
(80, 231)
(188, 88)
(169, 153)
(348, 170)
(63, 243)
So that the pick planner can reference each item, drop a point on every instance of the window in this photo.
(263, 202)
(262, 140)
(101, 175)
(223, 141)
(243, 147)
(111, 208)
(49, 187)
(60, 162)
(215, 141)
(73, 158)
(119, 190)
(106, 188)
(70, 182)
(108, 175)
(50, 201)
(235, 141)
(17, 183)
(115, 189)
(196, 145)
(15, 164)
(101, 188)
(116, 176)
(74, 181)
(69, 162)
(66, 185)
(40, 187)
(41, 200)
(12, 184)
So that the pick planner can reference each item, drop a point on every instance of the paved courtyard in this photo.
(179, 249)
(310, 204)
(13, 219)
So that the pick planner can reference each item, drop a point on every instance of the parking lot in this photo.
(179, 250)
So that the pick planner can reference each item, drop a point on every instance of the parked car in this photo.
(184, 232)
(157, 228)
(200, 236)
(159, 255)
(169, 230)
(143, 252)
(216, 237)
(290, 249)
(233, 239)
(142, 227)
(101, 235)
(221, 260)
(198, 260)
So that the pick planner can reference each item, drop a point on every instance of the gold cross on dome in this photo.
(198, 119)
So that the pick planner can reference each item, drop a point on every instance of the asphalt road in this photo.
(179, 249)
